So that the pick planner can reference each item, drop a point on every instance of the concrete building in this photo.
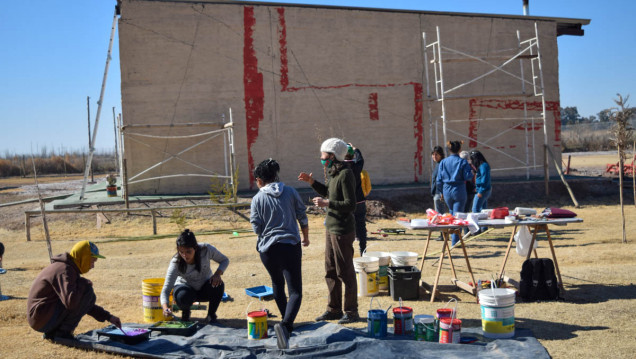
(295, 75)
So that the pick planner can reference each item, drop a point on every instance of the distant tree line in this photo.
(49, 163)
(571, 116)
(581, 134)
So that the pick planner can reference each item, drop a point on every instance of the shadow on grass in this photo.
(543, 330)
(598, 293)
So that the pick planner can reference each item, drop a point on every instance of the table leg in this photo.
(556, 265)
(534, 237)
(439, 266)
(428, 240)
(470, 270)
(503, 265)
(450, 259)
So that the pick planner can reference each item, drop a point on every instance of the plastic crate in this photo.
(404, 282)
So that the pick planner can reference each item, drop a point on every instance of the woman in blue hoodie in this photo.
(482, 182)
(274, 212)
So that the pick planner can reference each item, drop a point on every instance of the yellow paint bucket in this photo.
(151, 291)
(256, 324)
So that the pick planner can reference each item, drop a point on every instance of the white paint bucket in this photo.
(403, 258)
(383, 260)
(497, 312)
(367, 275)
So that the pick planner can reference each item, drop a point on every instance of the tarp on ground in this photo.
(318, 340)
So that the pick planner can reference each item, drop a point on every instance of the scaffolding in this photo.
(226, 130)
(442, 58)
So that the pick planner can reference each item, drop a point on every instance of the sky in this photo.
(54, 56)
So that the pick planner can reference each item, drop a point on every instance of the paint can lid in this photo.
(448, 321)
(257, 314)
(402, 310)
(423, 319)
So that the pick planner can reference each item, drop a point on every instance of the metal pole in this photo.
(232, 159)
(115, 131)
(441, 83)
(543, 109)
(99, 104)
(88, 111)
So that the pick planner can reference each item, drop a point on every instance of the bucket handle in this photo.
(453, 317)
(377, 301)
(366, 248)
(492, 289)
(247, 310)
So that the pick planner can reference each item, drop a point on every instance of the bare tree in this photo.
(621, 137)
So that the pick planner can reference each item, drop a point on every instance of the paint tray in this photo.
(259, 292)
(135, 335)
(185, 329)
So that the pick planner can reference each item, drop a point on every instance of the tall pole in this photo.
(115, 129)
(88, 111)
(99, 104)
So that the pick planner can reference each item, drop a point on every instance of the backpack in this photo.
(365, 182)
(538, 280)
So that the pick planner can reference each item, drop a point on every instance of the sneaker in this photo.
(329, 316)
(185, 316)
(210, 319)
(349, 318)
(282, 336)
(439, 239)
(49, 335)
(60, 334)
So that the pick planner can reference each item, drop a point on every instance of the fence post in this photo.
(27, 226)
(154, 221)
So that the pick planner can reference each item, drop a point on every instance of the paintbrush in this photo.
(122, 330)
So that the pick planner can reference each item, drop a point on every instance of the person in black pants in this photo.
(191, 277)
(356, 162)
(274, 211)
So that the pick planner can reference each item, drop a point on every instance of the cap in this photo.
(95, 251)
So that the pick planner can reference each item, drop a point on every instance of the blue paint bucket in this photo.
(376, 322)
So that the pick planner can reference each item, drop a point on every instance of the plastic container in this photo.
(175, 328)
(151, 291)
(131, 336)
(450, 331)
(402, 320)
(425, 328)
(367, 269)
(384, 258)
(404, 282)
(497, 312)
(402, 258)
(256, 324)
(376, 321)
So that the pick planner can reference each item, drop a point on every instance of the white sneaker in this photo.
(282, 336)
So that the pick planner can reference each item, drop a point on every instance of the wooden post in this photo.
(154, 221)
(27, 226)
(620, 184)
(546, 180)
(556, 165)
(125, 186)
(567, 169)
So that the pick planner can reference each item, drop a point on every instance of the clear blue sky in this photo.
(54, 55)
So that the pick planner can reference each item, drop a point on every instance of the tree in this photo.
(605, 115)
(622, 134)
(570, 115)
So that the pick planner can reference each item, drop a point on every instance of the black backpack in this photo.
(538, 280)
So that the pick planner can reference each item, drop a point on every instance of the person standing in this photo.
(275, 209)
(356, 161)
(59, 296)
(190, 275)
(482, 182)
(453, 172)
(340, 201)
(470, 185)
(436, 191)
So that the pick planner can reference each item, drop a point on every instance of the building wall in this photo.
(297, 75)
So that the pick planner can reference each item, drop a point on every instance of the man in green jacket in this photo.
(60, 296)
(340, 202)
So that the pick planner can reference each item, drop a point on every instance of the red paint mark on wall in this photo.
(373, 107)
(418, 130)
(282, 42)
(536, 106)
(254, 95)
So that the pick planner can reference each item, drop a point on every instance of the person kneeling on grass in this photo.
(274, 212)
(60, 296)
(190, 270)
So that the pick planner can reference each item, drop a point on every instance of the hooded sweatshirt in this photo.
(274, 212)
(59, 282)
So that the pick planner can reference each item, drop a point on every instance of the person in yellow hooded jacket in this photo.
(60, 296)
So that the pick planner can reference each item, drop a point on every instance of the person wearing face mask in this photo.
(59, 296)
(191, 277)
(338, 197)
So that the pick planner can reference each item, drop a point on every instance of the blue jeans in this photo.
(438, 203)
(481, 203)
(455, 198)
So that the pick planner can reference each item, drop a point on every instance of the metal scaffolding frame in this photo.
(527, 50)
(227, 131)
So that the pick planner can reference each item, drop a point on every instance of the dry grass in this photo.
(594, 321)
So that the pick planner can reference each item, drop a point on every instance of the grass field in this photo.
(595, 320)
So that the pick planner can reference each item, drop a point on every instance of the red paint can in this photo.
(450, 330)
(402, 320)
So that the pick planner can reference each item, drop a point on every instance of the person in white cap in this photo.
(338, 196)
(60, 296)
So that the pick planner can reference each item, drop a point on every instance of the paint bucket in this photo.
(450, 330)
(497, 312)
(151, 292)
(256, 324)
(111, 191)
(402, 320)
(383, 261)
(367, 275)
(425, 328)
(376, 321)
(402, 258)
(445, 312)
